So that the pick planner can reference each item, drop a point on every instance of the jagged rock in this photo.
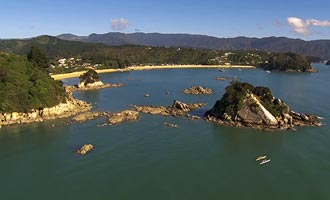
(122, 116)
(176, 109)
(180, 106)
(246, 105)
(198, 90)
(85, 149)
(186, 107)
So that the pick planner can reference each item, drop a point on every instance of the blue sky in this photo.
(304, 19)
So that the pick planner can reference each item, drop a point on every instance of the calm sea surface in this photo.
(146, 160)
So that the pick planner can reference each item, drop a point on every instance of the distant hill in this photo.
(318, 48)
(51, 45)
(106, 56)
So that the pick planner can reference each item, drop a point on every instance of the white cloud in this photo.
(315, 22)
(302, 26)
(119, 24)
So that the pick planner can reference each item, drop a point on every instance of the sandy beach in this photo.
(77, 74)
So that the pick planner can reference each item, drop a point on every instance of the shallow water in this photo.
(198, 160)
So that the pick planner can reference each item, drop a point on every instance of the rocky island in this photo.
(244, 105)
(287, 62)
(90, 80)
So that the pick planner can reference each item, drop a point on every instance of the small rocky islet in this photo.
(198, 90)
(90, 80)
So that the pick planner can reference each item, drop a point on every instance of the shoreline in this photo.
(149, 67)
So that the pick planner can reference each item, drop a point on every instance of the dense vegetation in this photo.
(232, 100)
(24, 85)
(286, 62)
(89, 77)
(130, 55)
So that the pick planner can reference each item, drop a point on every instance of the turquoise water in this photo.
(146, 160)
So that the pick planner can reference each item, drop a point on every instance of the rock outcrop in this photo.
(71, 107)
(311, 70)
(178, 108)
(85, 149)
(256, 107)
(126, 115)
(198, 90)
(85, 116)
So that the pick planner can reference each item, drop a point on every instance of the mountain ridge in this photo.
(318, 48)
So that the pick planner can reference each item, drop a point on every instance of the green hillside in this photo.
(24, 85)
(129, 55)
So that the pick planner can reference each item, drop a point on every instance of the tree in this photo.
(37, 57)
(89, 77)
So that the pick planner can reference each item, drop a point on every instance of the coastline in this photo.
(71, 107)
(149, 67)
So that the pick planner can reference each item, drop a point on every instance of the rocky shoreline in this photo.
(289, 123)
(71, 107)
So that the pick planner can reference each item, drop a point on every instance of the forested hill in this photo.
(25, 84)
(318, 48)
(52, 46)
(104, 56)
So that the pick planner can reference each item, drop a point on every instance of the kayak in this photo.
(261, 158)
(264, 161)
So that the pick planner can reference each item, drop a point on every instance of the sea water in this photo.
(146, 160)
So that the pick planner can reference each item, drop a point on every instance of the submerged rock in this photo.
(171, 125)
(85, 149)
(192, 117)
(198, 90)
(246, 105)
(223, 78)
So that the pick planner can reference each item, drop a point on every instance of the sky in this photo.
(304, 19)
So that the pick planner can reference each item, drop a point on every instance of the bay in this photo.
(198, 160)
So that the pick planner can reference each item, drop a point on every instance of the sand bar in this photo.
(77, 74)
